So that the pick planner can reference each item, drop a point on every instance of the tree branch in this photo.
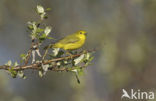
(37, 66)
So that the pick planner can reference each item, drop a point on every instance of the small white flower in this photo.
(40, 9)
(55, 51)
(29, 23)
(47, 30)
(45, 68)
(78, 60)
(87, 56)
(16, 64)
(42, 15)
(9, 63)
(40, 73)
(58, 63)
(20, 74)
(34, 30)
(65, 62)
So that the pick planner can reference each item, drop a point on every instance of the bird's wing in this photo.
(69, 39)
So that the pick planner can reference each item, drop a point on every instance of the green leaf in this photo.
(34, 35)
(23, 56)
(13, 72)
(42, 37)
(45, 68)
(87, 62)
(90, 59)
(80, 71)
(39, 30)
(48, 9)
(50, 38)
(87, 56)
(45, 17)
(30, 27)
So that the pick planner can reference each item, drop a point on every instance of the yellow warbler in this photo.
(71, 42)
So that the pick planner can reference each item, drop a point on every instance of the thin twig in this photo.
(46, 51)
(28, 57)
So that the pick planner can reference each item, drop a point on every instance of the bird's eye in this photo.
(80, 32)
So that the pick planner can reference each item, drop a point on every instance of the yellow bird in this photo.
(72, 42)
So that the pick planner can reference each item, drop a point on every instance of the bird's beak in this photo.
(86, 34)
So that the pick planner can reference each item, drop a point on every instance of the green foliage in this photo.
(12, 72)
(23, 57)
(48, 9)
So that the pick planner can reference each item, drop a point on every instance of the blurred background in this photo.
(124, 31)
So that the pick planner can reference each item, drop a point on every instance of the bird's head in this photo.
(82, 32)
